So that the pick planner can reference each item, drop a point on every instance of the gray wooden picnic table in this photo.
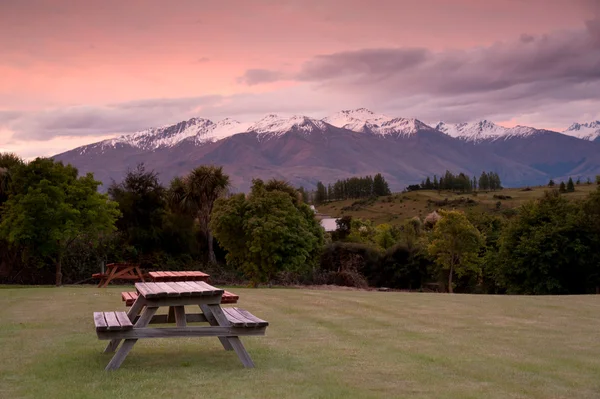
(228, 324)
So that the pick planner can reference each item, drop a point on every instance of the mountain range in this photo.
(304, 150)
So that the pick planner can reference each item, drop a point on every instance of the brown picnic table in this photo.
(228, 324)
(178, 276)
(125, 271)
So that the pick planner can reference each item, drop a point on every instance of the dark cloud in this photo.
(257, 76)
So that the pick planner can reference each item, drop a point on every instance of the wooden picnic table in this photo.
(178, 276)
(228, 324)
(126, 271)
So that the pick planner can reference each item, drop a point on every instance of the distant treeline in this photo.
(354, 187)
(460, 182)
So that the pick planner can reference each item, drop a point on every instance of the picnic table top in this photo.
(169, 274)
(177, 289)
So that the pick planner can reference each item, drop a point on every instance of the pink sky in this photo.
(60, 58)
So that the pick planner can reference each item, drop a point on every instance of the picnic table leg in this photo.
(139, 273)
(213, 322)
(171, 315)
(124, 350)
(109, 278)
(234, 341)
(132, 314)
(180, 316)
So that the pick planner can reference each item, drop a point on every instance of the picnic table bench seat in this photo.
(129, 297)
(112, 321)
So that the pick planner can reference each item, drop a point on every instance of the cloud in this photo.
(99, 120)
(257, 76)
(504, 78)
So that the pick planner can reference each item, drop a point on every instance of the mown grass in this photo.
(320, 344)
(399, 207)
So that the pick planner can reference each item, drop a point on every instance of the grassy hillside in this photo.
(319, 344)
(399, 207)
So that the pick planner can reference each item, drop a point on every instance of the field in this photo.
(399, 207)
(320, 344)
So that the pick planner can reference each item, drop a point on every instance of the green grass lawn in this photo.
(320, 344)
(402, 206)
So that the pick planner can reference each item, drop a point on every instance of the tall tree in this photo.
(142, 202)
(380, 186)
(197, 193)
(570, 186)
(562, 188)
(266, 232)
(321, 195)
(50, 207)
(551, 183)
(455, 245)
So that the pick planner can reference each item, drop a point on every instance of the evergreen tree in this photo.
(562, 188)
(588, 182)
(578, 182)
(428, 185)
(380, 186)
(321, 194)
(484, 181)
(474, 183)
(570, 186)
(551, 183)
(436, 184)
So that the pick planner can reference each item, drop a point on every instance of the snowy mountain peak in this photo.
(363, 120)
(276, 125)
(586, 131)
(474, 131)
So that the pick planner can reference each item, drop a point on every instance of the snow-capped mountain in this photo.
(356, 142)
(202, 130)
(476, 132)
(363, 120)
(585, 131)
(275, 125)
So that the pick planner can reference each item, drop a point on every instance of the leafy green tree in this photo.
(8, 163)
(484, 181)
(562, 188)
(547, 249)
(267, 232)
(50, 207)
(455, 245)
(196, 193)
(570, 186)
(380, 186)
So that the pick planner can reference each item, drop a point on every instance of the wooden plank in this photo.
(234, 318)
(250, 316)
(189, 318)
(100, 322)
(182, 289)
(170, 291)
(124, 320)
(144, 290)
(112, 321)
(193, 290)
(180, 319)
(206, 289)
(173, 332)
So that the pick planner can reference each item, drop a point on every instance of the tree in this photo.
(578, 182)
(321, 195)
(548, 248)
(8, 163)
(266, 232)
(551, 183)
(197, 193)
(570, 186)
(562, 188)
(598, 180)
(50, 207)
(484, 181)
(380, 186)
(142, 202)
(455, 245)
